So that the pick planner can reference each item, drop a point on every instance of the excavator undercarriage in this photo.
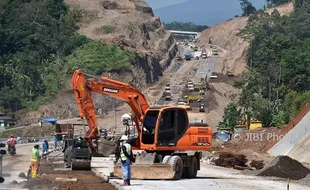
(174, 166)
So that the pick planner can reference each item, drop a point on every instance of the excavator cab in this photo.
(163, 127)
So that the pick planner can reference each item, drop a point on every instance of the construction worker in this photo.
(11, 144)
(55, 139)
(35, 161)
(45, 147)
(126, 159)
(117, 151)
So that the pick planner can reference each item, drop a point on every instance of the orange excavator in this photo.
(167, 146)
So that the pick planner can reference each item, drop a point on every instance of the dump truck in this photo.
(191, 98)
(167, 95)
(167, 87)
(170, 146)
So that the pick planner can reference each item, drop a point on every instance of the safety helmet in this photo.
(124, 138)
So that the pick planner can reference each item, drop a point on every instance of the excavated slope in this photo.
(225, 36)
(132, 26)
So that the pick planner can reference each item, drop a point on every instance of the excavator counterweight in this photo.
(169, 146)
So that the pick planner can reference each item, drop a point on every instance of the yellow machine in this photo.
(254, 124)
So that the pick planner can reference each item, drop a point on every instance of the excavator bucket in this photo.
(106, 147)
(146, 171)
(145, 168)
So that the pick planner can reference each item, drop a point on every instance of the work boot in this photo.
(125, 183)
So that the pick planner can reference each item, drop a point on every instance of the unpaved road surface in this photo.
(14, 165)
(49, 170)
(213, 178)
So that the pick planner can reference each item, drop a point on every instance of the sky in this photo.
(157, 4)
(198, 11)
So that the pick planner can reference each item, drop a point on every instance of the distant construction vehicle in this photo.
(202, 108)
(190, 98)
(167, 87)
(188, 56)
(204, 56)
(185, 105)
(167, 95)
(171, 146)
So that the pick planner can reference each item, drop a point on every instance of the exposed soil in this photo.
(29, 131)
(257, 164)
(86, 180)
(230, 160)
(234, 47)
(285, 167)
(256, 139)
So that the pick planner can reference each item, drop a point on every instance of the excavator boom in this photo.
(83, 85)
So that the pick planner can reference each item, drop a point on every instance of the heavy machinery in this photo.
(167, 95)
(170, 147)
(77, 156)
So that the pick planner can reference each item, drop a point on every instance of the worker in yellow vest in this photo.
(126, 159)
(35, 161)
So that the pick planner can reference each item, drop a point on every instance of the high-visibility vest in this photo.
(128, 150)
(35, 154)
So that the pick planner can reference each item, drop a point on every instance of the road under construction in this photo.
(54, 174)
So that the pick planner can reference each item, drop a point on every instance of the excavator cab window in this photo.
(172, 127)
(149, 126)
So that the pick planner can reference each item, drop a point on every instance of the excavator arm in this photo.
(83, 86)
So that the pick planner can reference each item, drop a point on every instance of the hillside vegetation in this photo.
(185, 26)
(40, 48)
(277, 83)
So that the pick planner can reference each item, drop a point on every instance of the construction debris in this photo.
(285, 167)
(66, 179)
(257, 164)
(230, 160)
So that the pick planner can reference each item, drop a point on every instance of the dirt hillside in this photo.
(132, 25)
(224, 35)
(128, 24)
(231, 59)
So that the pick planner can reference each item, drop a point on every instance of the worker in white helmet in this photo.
(126, 156)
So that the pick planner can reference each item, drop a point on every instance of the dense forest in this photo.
(277, 83)
(40, 48)
(188, 26)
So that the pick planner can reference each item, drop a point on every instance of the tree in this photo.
(247, 7)
(277, 82)
(231, 115)
(188, 26)
(274, 3)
